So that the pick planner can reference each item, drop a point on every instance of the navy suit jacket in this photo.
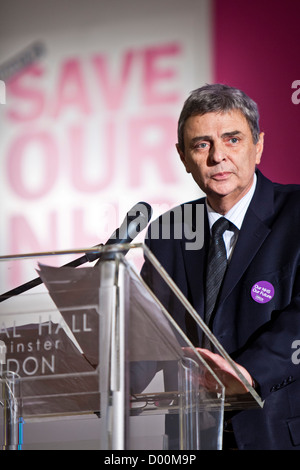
(259, 336)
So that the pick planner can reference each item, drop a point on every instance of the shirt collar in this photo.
(237, 213)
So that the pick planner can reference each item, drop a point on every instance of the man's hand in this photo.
(223, 370)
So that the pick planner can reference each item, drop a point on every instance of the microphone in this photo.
(135, 221)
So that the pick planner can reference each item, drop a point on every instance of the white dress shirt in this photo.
(235, 215)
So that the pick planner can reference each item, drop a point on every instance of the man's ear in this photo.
(182, 158)
(259, 147)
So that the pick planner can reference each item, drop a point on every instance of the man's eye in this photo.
(202, 145)
(233, 140)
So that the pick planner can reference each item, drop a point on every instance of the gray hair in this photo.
(218, 98)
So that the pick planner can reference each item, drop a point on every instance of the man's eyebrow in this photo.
(200, 137)
(228, 134)
(209, 137)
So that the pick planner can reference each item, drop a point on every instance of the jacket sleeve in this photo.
(272, 353)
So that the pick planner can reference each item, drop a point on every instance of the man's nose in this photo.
(217, 153)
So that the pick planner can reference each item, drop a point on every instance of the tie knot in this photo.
(220, 226)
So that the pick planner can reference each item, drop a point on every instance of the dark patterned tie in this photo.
(216, 265)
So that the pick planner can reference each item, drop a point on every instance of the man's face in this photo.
(220, 154)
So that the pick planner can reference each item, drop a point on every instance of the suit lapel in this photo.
(249, 241)
(195, 263)
(254, 230)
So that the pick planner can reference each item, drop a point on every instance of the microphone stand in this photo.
(135, 221)
(88, 257)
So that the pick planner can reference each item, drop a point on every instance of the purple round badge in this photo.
(262, 292)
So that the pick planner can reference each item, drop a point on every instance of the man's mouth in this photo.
(222, 175)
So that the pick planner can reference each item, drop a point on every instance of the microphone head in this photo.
(135, 221)
(142, 210)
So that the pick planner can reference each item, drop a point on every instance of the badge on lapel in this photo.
(262, 292)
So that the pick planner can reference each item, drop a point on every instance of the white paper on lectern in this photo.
(150, 334)
(150, 331)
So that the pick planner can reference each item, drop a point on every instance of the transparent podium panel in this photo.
(239, 394)
(49, 365)
(93, 355)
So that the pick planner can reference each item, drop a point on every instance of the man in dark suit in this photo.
(257, 313)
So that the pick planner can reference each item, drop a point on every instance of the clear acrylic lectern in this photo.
(91, 358)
